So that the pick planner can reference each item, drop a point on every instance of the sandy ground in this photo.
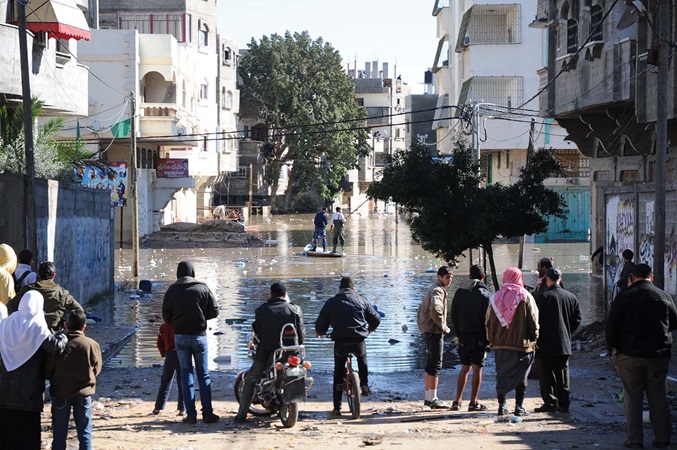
(394, 417)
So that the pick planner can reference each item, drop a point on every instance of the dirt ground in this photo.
(394, 417)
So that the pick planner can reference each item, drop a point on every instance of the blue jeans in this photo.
(189, 347)
(82, 414)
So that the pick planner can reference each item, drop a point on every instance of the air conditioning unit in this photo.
(466, 41)
(572, 180)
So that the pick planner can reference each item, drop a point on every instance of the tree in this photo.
(54, 159)
(448, 209)
(308, 102)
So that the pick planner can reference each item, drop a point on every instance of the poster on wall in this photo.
(95, 178)
(172, 168)
(620, 235)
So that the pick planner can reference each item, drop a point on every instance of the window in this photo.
(227, 56)
(177, 24)
(596, 28)
(183, 94)
(229, 99)
(359, 101)
(569, 17)
(242, 172)
(204, 91)
(203, 34)
(498, 160)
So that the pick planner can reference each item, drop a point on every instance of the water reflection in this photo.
(388, 268)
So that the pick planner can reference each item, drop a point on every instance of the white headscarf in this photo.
(22, 333)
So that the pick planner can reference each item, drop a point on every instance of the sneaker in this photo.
(502, 410)
(437, 404)
(210, 418)
(336, 413)
(190, 420)
(366, 392)
(546, 408)
(239, 419)
(519, 411)
(476, 407)
(181, 412)
(156, 412)
(455, 406)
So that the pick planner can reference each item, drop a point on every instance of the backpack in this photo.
(17, 283)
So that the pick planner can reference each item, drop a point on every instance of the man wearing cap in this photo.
(321, 220)
(559, 316)
(269, 320)
(639, 339)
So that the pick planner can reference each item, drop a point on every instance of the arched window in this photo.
(203, 34)
(596, 26)
(227, 56)
(570, 17)
(229, 99)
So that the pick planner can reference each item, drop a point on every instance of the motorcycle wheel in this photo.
(354, 394)
(239, 385)
(289, 414)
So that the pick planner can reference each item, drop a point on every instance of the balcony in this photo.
(439, 6)
(165, 120)
(492, 24)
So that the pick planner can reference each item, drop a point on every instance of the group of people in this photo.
(321, 220)
(523, 325)
(42, 338)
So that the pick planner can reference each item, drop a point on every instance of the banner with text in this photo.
(172, 168)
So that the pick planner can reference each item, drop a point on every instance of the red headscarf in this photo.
(505, 301)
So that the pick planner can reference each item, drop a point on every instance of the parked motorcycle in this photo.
(284, 384)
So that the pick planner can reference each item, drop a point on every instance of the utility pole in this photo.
(251, 189)
(664, 14)
(530, 151)
(29, 221)
(135, 191)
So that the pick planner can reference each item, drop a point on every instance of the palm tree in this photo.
(54, 159)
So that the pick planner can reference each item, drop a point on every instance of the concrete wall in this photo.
(75, 230)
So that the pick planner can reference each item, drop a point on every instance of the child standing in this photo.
(165, 343)
(73, 382)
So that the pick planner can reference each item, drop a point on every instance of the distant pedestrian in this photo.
(628, 267)
(167, 348)
(542, 267)
(219, 213)
(187, 306)
(559, 315)
(73, 382)
(351, 318)
(7, 267)
(338, 221)
(432, 322)
(24, 274)
(512, 331)
(58, 301)
(468, 315)
(639, 340)
(25, 341)
(320, 221)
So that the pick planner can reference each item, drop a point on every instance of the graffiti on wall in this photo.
(646, 248)
(620, 235)
(671, 263)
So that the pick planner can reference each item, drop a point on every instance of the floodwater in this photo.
(389, 269)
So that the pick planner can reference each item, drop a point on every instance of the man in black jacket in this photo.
(639, 340)
(269, 320)
(351, 318)
(468, 315)
(628, 267)
(187, 306)
(559, 315)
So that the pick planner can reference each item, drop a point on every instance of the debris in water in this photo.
(392, 341)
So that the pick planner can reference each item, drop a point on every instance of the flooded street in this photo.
(389, 269)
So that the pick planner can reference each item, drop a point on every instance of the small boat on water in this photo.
(307, 251)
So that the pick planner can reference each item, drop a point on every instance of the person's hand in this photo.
(445, 329)
(613, 354)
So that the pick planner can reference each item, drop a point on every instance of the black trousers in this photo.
(341, 351)
(554, 380)
(170, 368)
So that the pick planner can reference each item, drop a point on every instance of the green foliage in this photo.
(54, 159)
(308, 101)
(449, 212)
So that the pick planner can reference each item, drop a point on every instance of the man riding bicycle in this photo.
(351, 318)
(270, 318)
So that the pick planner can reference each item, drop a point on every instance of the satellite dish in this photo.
(631, 15)
(181, 131)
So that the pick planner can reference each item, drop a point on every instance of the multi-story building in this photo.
(600, 81)
(183, 76)
(486, 66)
(56, 77)
(384, 98)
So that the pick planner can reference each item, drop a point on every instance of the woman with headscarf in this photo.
(7, 267)
(24, 342)
(512, 330)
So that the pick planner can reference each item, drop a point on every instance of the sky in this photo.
(401, 32)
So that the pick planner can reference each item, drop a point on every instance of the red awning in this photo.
(60, 19)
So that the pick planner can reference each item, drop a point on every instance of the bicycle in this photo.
(352, 386)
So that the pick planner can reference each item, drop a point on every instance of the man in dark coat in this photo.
(320, 221)
(351, 318)
(468, 315)
(559, 316)
(187, 306)
(628, 267)
(269, 320)
(639, 340)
